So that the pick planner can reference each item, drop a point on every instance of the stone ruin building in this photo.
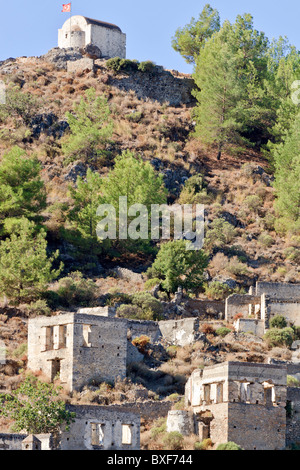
(80, 32)
(94, 428)
(89, 344)
(77, 347)
(261, 304)
(247, 403)
(239, 402)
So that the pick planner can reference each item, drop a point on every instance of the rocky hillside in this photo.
(238, 188)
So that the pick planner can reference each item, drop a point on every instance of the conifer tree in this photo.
(25, 268)
(190, 39)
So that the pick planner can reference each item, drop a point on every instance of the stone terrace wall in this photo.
(279, 290)
(162, 86)
(249, 325)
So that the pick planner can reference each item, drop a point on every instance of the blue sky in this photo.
(30, 27)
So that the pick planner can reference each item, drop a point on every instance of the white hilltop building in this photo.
(79, 31)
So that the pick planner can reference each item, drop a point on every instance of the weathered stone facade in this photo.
(240, 402)
(101, 428)
(267, 300)
(79, 32)
(77, 348)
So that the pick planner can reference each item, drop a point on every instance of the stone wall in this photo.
(100, 349)
(181, 421)
(11, 441)
(293, 416)
(79, 347)
(148, 410)
(45, 347)
(149, 328)
(80, 65)
(101, 311)
(239, 304)
(162, 86)
(102, 428)
(249, 325)
(180, 332)
(256, 427)
(278, 290)
(240, 402)
(290, 310)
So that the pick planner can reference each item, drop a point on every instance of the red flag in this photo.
(66, 7)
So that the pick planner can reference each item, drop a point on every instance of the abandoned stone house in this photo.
(263, 302)
(77, 348)
(79, 32)
(240, 402)
(90, 344)
(94, 428)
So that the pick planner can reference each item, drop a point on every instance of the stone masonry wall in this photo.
(238, 303)
(279, 290)
(11, 441)
(100, 349)
(249, 325)
(256, 427)
(180, 332)
(162, 86)
(111, 420)
(293, 416)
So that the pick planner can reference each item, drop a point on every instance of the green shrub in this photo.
(114, 64)
(40, 307)
(220, 233)
(279, 337)
(20, 351)
(132, 312)
(173, 441)
(149, 305)
(136, 116)
(117, 64)
(223, 331)
(75, 290)
(229, 446)
(159, 429)
(265, 240)
(217, 291)
(204, 445)
(150, 283)
(146, 66)
(292, 381)
(278, 322)
(252, 203)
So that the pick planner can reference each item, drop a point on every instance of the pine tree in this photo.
(22, 191)
(218, 96)
(287, 179)
(190, 39)
(90, 128)
(25, 268)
